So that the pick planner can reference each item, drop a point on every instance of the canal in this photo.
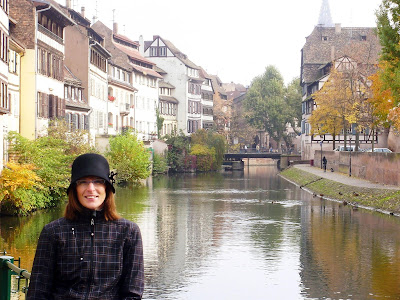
(245, 235)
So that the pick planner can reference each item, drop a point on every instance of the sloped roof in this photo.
(125, 39)
(69, 77)
(162, 83)
(179, 54)
(326, 44)
(146, 71)
(168, 99)
(118, 57)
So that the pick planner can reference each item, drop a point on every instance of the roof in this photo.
(146, 71)
(178, 54)
(118, 57)
(326, 44)
(164, 84)
(125, 39)
(55, 7)
(168, 99)
(69, 77)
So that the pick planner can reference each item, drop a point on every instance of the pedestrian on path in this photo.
(324, 163)
(90, 253)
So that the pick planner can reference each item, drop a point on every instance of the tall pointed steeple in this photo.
(325, 19)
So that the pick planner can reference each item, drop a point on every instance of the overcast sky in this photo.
(235, 40)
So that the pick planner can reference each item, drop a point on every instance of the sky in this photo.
(235, 40)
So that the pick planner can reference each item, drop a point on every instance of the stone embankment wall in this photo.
(376, 167)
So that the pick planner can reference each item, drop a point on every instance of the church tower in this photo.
(325, 18)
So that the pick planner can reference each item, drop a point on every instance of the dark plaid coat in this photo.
(88, 259)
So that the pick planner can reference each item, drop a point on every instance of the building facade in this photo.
(326, 44)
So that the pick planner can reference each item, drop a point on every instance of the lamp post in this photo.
(350, 156)
(320, 143)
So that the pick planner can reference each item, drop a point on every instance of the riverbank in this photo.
(342, 188)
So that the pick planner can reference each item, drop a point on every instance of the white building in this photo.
(145, 81)
(184, 76)
(207, 101)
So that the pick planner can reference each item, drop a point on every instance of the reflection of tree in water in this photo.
(19, 235)
(131, 201)
(272, 229)
(349, 252)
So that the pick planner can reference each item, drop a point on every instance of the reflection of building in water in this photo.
(346, 252)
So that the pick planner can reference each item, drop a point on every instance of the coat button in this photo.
(92, 234)
(81, 258)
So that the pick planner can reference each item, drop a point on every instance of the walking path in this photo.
(345, 178)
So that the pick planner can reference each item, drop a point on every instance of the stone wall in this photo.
(376, 167)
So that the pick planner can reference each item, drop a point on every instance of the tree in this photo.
(267, 106)
(213, 141)
(388, 27)
(160, 122)
(293, 100)
(128, 157)
(342, 102)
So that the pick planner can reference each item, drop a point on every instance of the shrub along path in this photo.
(349, 190)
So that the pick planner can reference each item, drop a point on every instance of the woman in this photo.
(91, 253)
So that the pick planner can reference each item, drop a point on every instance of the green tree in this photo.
(293, 100)
(178, 148)
(160, 122)
(388, 27)
(266, 104)
(215, 142)
(128, 157)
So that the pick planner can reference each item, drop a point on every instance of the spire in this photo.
(325, 19)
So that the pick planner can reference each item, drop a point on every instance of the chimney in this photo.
(83, 11)
(68, 3)
(115, 28)
(332, 53)
(338, 28)
(141, 45)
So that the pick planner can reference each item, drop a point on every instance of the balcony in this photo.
(50, 34)
(124, 109)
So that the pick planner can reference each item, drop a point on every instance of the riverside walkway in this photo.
(345, 178)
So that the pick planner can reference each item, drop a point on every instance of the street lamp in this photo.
(350, 156)
(320, 143)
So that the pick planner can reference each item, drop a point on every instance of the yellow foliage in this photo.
(17, 176)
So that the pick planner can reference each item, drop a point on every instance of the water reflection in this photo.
(245, 235)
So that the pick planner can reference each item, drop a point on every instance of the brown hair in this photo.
(74, 208)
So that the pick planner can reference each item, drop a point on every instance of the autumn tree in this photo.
(388, 28)
(268, 107)
(342, 102)
(387, 87)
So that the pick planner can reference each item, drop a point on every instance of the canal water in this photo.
(245, 235)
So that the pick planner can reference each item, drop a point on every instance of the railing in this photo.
(7, 268)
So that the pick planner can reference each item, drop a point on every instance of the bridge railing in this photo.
(7, 268)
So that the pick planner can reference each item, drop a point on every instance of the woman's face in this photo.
(91, 192)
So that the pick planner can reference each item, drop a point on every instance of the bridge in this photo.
(240, 156)
(234, 161)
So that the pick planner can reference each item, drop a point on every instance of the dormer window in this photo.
(325, 38)
(363, 37)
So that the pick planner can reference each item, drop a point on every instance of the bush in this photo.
(128, 157)
(213, 141)
(159, 164)
(204, 157)
(178, 148)
(21, 189)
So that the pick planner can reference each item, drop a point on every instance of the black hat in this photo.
(90, 164)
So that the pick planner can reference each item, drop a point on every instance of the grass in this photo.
(383, 199)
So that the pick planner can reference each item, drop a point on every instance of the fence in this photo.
(7, 268)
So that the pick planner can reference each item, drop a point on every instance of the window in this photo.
(363, 37)
(4, 100)
(324, 38)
